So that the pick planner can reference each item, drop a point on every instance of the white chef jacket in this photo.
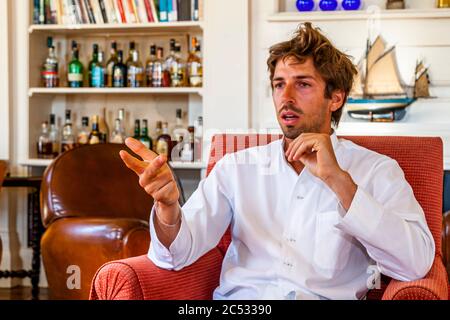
(291, 238)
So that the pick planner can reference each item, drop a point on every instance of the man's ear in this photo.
(337, 100)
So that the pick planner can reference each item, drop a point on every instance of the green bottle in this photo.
(145, 139)
(137, 129)
(92, 65)
(75, 69)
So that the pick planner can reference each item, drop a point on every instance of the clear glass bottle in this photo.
(198, 139)
(119, 72)
(170, 65)
(117, 135)
(179, 133)
(187, 153)
(145, 138)
(44, 145)
(158, 69)
(68, 140)
(113, 59)
(95, 136)
(83, 133)
(135, 71)
(54, 135)
(50, 72)
(179, 75)
(75, 69)
(195, 66)
(149, 66)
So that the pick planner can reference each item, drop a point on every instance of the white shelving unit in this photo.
(140, 103)
(4, 81)
(405, 14)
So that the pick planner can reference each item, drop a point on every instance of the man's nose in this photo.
(287, 94)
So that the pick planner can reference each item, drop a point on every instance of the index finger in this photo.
(140, 149)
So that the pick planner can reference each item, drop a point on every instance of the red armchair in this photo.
(421, 160)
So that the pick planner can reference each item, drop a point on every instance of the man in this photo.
(312, 216)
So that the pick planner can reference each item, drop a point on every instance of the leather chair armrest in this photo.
(433, 287)
(446, 241)
(139, 278)
(88, 243)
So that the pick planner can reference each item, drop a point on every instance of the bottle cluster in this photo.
(116, 72)
(183, 144)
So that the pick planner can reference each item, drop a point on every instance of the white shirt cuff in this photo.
(173, 257)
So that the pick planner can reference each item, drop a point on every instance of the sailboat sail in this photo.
(383, 78)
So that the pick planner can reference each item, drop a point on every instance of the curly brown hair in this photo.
(335, 67)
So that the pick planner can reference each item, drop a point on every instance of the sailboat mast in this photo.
(367, 67)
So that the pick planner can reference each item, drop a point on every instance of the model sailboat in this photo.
(378, 94)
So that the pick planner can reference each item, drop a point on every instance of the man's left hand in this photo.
(315, 151)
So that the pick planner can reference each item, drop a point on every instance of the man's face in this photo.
(299, 98)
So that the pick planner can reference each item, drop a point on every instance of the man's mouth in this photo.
(289, 118)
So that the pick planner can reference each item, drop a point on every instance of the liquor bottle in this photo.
(68, 140)
(97, 69)
(164, 142)
(117, 135)
(144, 138)
(135, 71)
(179, 132)
(110, 64)
(122, 121)
(187, 153)
(83, 133)
(149, 66)
(94, 136)
(130, 53)
(75, 68)
(169, 62)
(103, 127)
(44, 145)
(158, 69)
(49, 73)
(137, 129)
(54, 136)
(119, 72)
(157, 133)
(195, 67)
(178, 73)
(93, 62)
(198, 139)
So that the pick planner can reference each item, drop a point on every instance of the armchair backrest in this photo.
(92, 181)
(421, 159)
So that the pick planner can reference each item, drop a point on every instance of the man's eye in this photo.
(304, 84)
(278, 85)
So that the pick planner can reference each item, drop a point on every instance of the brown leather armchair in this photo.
(94, 211)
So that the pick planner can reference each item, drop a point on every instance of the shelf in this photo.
(165, 27)
(360, 15)
(188, 165)
(56, 91)
(175, 165)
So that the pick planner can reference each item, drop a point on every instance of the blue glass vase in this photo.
(328, 5)
(351, 4)
(305, 5)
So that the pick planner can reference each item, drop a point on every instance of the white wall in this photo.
(415, 38)
(4, 81)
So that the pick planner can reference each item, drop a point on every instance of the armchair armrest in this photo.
(433, 287)
(139, 278)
